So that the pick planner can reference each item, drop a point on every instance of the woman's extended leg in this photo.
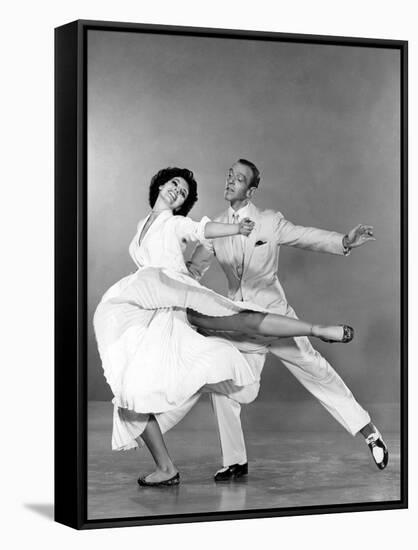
(266, 324)
(153, 439)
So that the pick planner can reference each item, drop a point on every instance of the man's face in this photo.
(238, 182)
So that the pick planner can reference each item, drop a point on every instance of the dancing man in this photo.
(250, 265)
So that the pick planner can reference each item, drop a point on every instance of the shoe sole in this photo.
(231, 478)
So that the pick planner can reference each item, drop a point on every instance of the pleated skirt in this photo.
(152, 358)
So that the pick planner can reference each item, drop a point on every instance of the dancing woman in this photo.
(153, 357)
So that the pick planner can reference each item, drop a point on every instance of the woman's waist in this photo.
(174, 270)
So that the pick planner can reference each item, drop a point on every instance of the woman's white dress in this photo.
(152, 358)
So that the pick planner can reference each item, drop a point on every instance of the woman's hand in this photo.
(245, 227)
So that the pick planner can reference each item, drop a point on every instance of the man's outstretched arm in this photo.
(320, 240)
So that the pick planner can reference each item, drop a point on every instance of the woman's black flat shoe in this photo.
(348, 335)
(175, 480)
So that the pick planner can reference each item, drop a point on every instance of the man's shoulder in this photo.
(267, 214)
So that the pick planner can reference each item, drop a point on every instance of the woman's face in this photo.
(174, 192)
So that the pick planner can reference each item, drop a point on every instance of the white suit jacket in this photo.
(259, 282)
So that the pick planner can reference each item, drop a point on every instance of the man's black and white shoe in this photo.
(228, 473)
(379, 449)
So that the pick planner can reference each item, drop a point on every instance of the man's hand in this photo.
(358, 236)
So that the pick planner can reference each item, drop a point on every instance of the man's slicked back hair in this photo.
(256, 172)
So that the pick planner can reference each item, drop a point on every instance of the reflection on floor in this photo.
(286, 468)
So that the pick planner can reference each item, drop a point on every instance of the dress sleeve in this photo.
(190, 231)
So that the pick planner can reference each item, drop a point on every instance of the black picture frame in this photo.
(71, 272)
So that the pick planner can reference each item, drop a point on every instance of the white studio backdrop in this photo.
(27, 272)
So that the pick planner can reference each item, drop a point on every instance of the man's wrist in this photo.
(346, 245)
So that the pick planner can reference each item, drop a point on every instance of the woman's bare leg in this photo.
(153, 438)
(265, 324)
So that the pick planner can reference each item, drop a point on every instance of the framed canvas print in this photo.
(197, 377)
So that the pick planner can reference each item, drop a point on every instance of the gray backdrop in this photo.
(322, 123)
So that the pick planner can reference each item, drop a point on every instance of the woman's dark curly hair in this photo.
(163, 176)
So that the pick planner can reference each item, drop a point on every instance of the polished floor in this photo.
(288, 467)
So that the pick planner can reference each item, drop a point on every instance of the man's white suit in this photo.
(252, 274)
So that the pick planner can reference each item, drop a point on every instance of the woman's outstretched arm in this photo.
(213, 230)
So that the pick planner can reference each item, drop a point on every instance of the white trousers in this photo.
(314, 372)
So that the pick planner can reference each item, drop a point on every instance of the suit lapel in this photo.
(249, 242)
(223, 246)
